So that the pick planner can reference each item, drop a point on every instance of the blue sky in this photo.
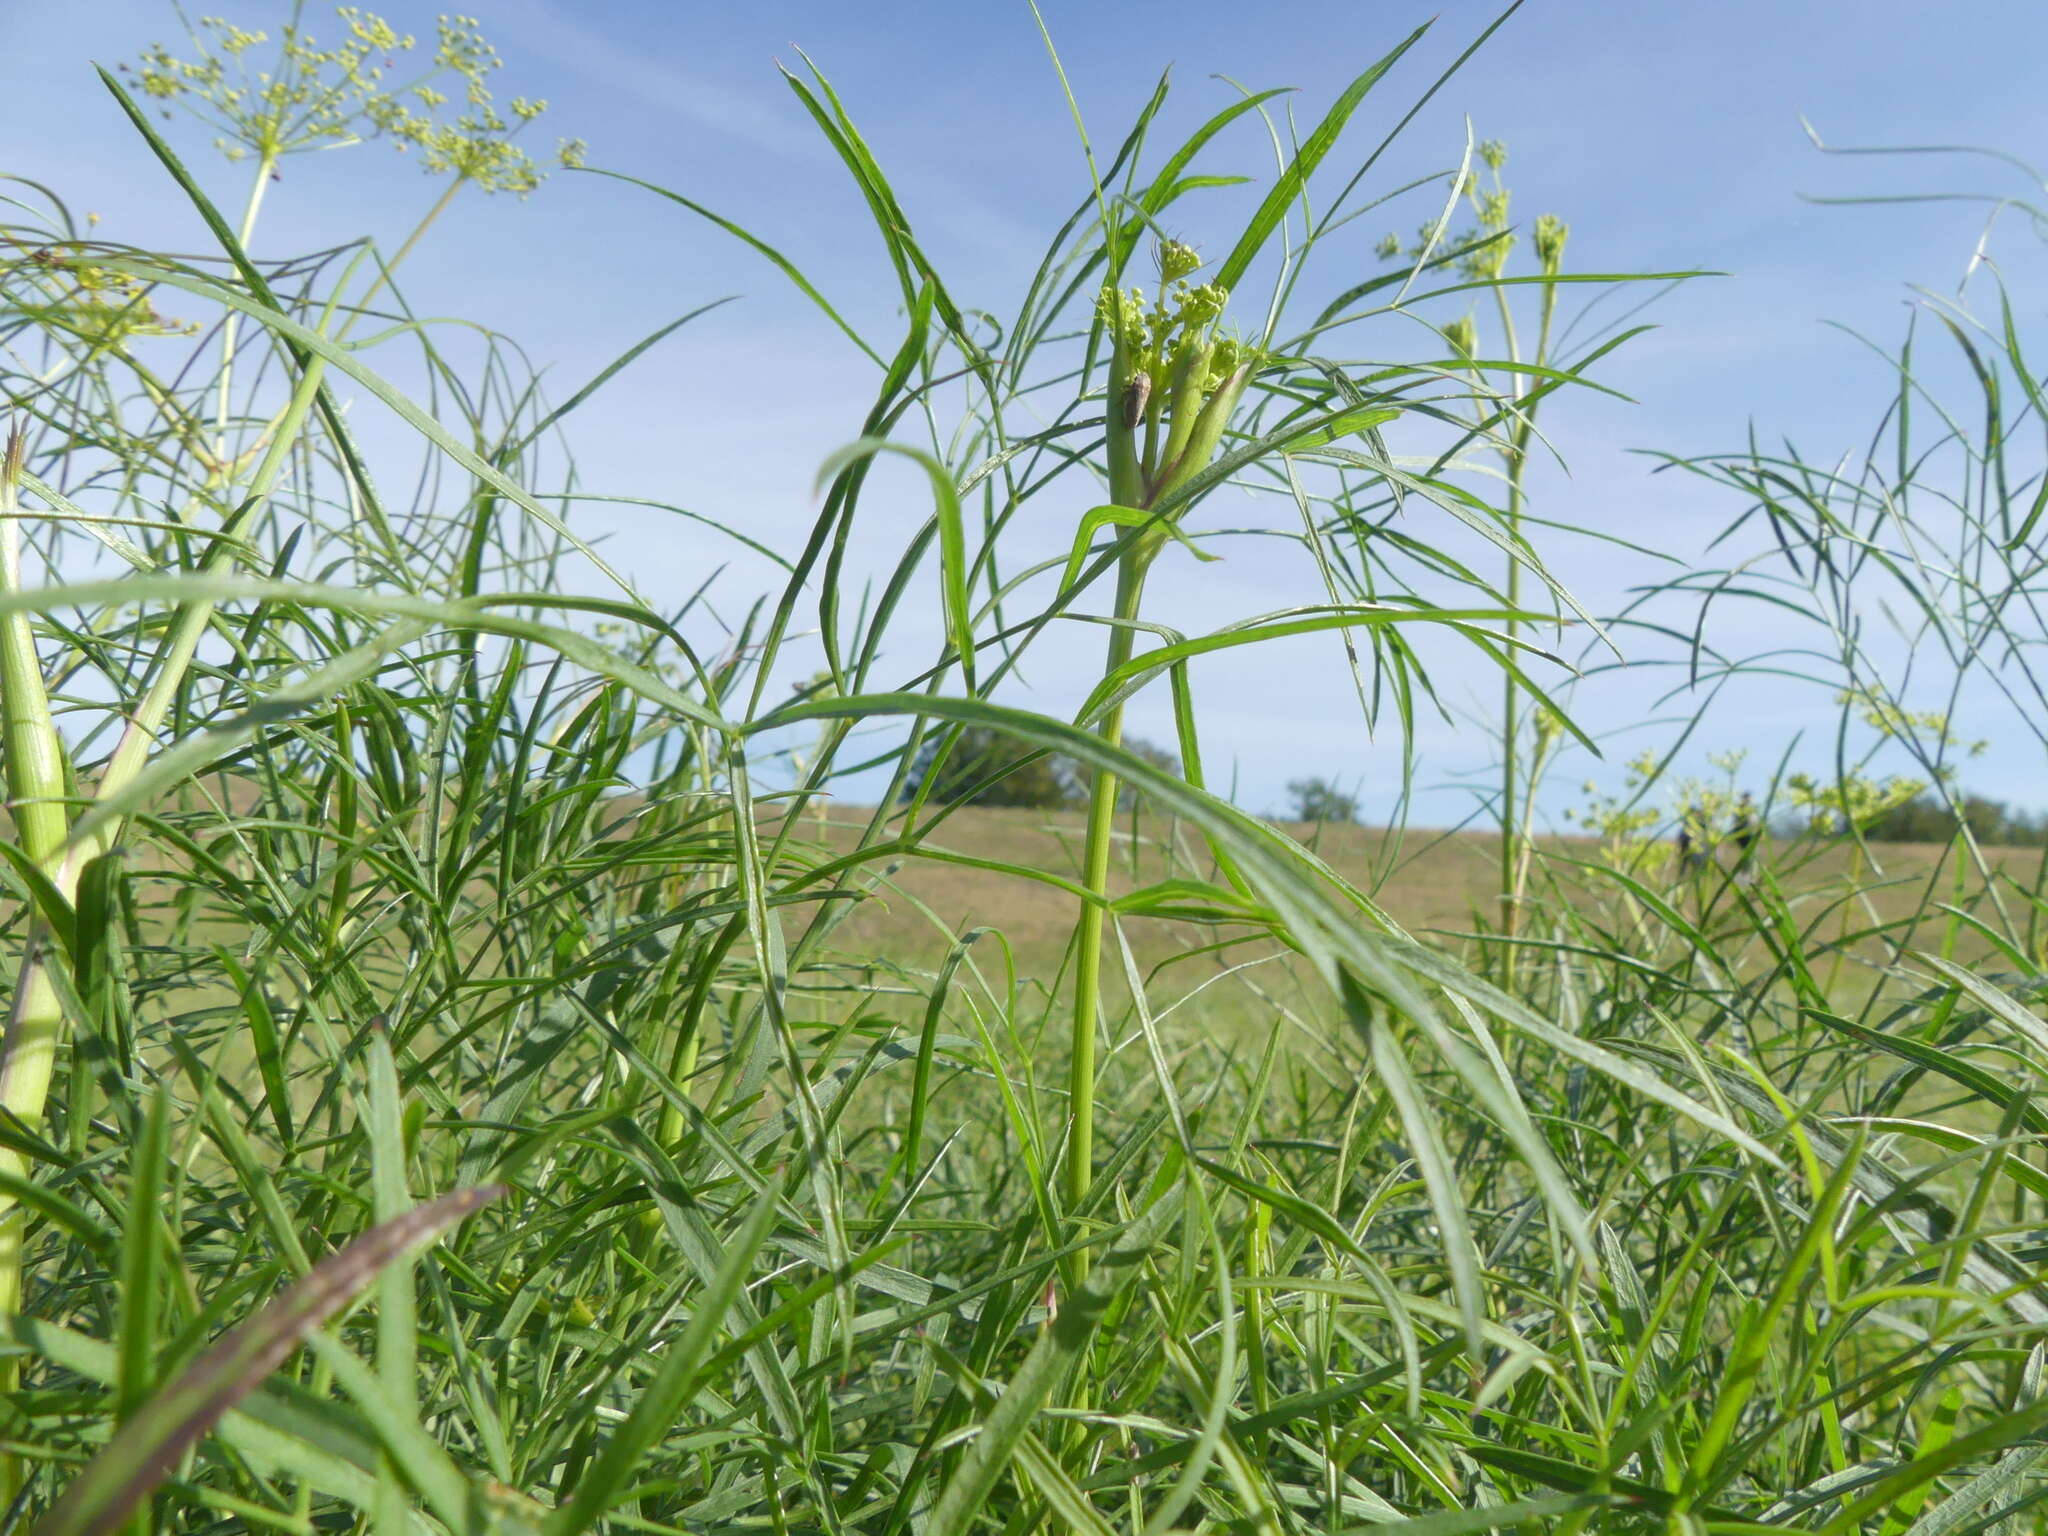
(1667, 135)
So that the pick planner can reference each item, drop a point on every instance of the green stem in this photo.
(35, 783)
(35, 1022)
(404, 250)
(34, 764)
(1511, 740)
(231, 327)
(1102, 793)
(1514, 839)
(1511, 703)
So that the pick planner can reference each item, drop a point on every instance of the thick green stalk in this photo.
(1102, 793)
(1511, 740)
(1123, 419)
(1204, 438)
(1184, 389)
(1511, 703)
(35, 755)
(35, 780)
(35, 1023)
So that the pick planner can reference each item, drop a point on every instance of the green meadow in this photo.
(493, 1049)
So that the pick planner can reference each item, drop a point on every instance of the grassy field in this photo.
(465, 1074)
(1443, 885)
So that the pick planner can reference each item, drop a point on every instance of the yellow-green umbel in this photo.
(1173, 382)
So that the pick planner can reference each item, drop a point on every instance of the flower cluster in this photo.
(1854, 800)
(1489, 205)
(1487, 243)
(476, 145)
(1624, 821)
(1174, 378)
(310, 97)
(100, 308)
(1705, 815)
(1930, 728)
(316, 97)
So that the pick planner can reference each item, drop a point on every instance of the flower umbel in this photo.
(1174, 381)
(306, 96)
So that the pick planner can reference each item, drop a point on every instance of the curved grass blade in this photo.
(781, 262)
(144, 1450)
(1318, 144)
(952, 537)
(1001, 1436)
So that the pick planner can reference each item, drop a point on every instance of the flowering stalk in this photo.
(1515, 803)
(1173, 385)
(231, 324)
(1485, 262)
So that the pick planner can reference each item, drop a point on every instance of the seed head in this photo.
(1551, 233)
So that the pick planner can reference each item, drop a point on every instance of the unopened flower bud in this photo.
(1224, 359)
(1177, 259)
(1201, 306)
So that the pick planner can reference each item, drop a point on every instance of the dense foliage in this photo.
(426, 948)
(1317, 799)
(1931, 819)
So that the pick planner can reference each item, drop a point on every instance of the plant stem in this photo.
(35, 1022)
(35, 781)
(231, 326)
(1102, 793)
(404, 250)
(1514, 832)
(1510, 718)
(34, 762)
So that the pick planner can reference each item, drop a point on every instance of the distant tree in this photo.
(986, 767)
(1317, 799)
(1931, 819)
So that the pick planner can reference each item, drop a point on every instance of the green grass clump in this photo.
(425, 952)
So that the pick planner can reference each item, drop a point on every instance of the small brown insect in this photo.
(1136, 393)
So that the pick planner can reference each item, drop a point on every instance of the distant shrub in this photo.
(1931, 819)
(1317, 799)
(985, 767)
